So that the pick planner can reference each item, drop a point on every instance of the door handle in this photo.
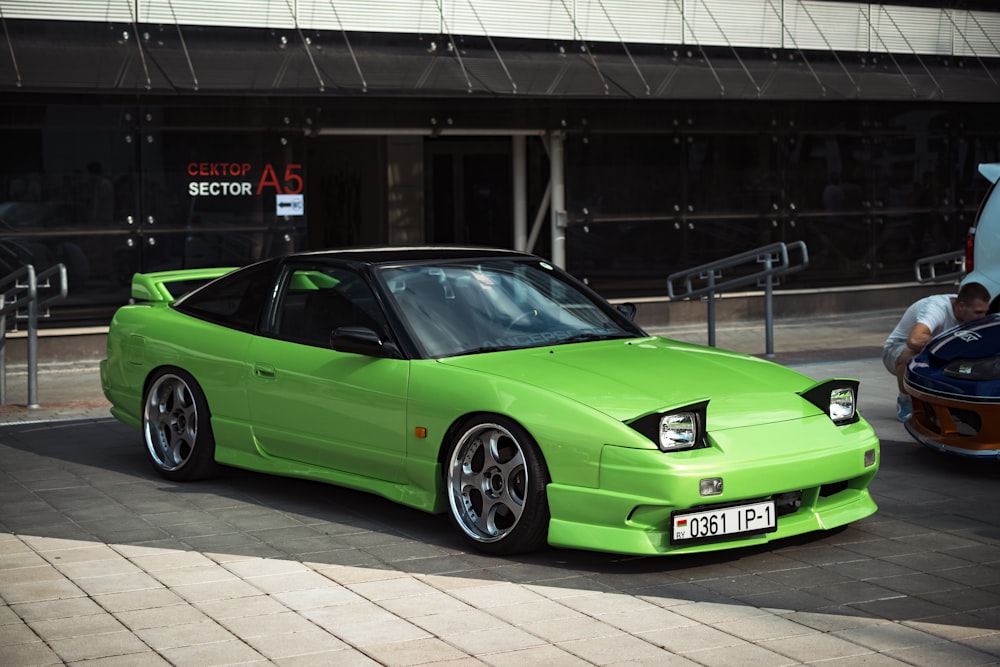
(265, 371)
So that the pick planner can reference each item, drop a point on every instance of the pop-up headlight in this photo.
(837, 398)
(680, 429)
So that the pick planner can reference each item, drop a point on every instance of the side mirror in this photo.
(362, 340)
(627, 309)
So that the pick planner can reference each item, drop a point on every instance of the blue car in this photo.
(955, 384)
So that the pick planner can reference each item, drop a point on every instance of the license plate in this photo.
(736, 520)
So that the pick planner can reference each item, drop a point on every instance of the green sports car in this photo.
(488, 385)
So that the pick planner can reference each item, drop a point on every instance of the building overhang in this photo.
(77, 57)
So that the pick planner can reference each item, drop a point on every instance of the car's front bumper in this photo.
(631, 510)
(963, 428)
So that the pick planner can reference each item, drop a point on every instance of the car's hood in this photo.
(974, 340)
(631, 378)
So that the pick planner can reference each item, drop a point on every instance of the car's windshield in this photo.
(459, 308)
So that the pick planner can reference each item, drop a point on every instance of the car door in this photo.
(311, 404)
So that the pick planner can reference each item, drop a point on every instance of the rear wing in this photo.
(168, 286)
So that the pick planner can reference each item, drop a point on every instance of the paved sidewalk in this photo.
(103, 562)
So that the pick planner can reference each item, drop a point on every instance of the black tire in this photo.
(495, 478)
(176, 427)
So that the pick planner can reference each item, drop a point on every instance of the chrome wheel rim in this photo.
(170, 422)
(487, 482)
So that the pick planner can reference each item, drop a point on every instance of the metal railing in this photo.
(25, 295)
(952, 265)
(707, 281)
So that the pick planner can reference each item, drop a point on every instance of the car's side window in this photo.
(235, 300)
(314, 302)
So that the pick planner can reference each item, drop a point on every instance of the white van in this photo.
(982, 248)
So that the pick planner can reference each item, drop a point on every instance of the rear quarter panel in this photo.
(145, 337)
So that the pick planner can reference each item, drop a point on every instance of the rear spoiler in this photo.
(154, 286)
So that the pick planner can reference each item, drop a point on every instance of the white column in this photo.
(558, 202)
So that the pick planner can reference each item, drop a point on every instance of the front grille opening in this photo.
(828, 490)
(787, 503)
(967, 422)
(930, 417)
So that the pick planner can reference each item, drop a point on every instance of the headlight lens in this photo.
(837, 398)
(842, 404)
(678, 431)
(683, 428)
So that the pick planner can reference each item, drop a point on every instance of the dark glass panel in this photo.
(68, 197)
(220, 198)
(623, 175)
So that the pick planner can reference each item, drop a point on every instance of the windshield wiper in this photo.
(487, 348)
(591, 336)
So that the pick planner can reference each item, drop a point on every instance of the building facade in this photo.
(625, 139)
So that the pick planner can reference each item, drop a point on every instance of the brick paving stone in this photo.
(8, 617)
(169, 560)
(761, 628)
(346, 657)
(711, 613)
(166, 637)
(32, 573)
(617, 648)
(294, 581)
(303, 643)
(253, 605)
(424, 605)
(691, 638)
(943, 654)
(280, 623)
(28, 655)
(550, 656)
(480, 643)
(315, 598)
(888, 637)
(76, 626)
(218, 653)
(118, 583)
(216, 590)
(90, 647)
(393, 588)
(261, 567)
(17, 633)
(571, 629)
(453, 622)
(37, 591)
(743, 655)
(526, 614)
(161, 617)
(814, 647)
(19, 560)
(363, 623)
(141, 599)
(108, 567)
(416, 652)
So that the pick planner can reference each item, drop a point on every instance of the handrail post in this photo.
(768, 307)
(15, 288)
(711, 308)
(32, 339)
(777, 263)
(3, 347)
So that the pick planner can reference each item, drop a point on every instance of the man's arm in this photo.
(919, 336)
